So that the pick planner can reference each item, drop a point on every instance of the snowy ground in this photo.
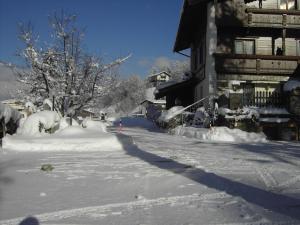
(154, 178)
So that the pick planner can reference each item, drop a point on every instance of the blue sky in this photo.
(114, 28)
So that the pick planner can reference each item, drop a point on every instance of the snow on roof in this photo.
(291, 85)
(161, 72)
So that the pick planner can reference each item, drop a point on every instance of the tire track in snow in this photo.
(267, 178)
(64, 214)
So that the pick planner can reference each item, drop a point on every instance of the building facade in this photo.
(240, 49)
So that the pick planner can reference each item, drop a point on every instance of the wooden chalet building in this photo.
(158, 78)
(238, 50)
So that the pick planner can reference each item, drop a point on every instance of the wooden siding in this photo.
(256, 64)
(273, 18)
(264, 46)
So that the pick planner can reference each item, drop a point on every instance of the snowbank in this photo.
(31, 126)
(94, 125)
(65, 122)
(93, 137)
(72, 138)
(219, 134)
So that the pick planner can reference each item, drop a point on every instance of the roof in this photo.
(189, 17)
(156, 74)
(169, 87)
(158, 102)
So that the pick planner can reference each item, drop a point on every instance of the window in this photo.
(298, 47)
(244, 47)
(287, 4)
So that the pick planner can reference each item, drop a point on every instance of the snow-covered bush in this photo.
(30, 107)
(47, 104)
(201, 118)
(40, 122)
(223, 134)
(245, 119)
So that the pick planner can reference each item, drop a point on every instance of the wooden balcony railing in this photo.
(276, 18)
(256, 64)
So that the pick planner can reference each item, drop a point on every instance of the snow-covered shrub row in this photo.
(239, 114)
(38, 123)
(222, 134)
(50, 122)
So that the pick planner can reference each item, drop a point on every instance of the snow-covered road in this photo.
(155, 178)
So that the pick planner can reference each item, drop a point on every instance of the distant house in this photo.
(158, 78)
(241, 51)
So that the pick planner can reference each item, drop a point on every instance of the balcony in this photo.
(256, 64)
(275, 18)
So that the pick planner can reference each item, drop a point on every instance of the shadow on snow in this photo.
(274, 202)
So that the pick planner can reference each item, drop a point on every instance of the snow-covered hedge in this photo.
(220, 134)
(38, 123)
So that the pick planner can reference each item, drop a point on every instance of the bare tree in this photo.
(62, 71)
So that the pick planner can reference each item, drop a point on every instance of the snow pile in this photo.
(65, 122)
(219, 134)
(201, 117)
(291, 85)
(72, 138)
(94, 125)
(36, 123)
(93, 137)
(171, 113)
